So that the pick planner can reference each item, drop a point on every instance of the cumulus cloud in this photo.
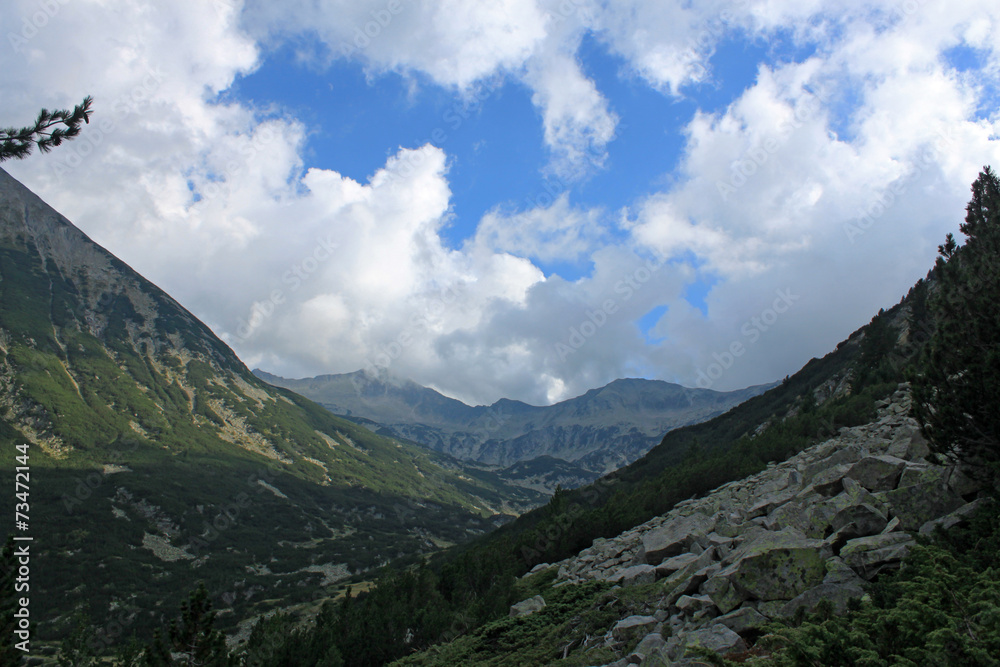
(577, 122)
(556, 233)
(814, 198)
(792, 188)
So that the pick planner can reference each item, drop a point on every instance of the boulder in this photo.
(768, 501)
(950, 520)
(722, 592)
(635, 575)
(837, 593)
(671, 565)
(919, 503)
(839, 572)
(650, 647)
(776, 488)
(717, 638)
(527, 607)
(859, 521)
(743, 619)
(771, 608)
(909, 444)
(811, 518)
(674, 537)
(962, 483)
(868, 556)
(878, 473)
(687, 579)
(723, 545)
(828, 482)
(839, 455)
(690, 605)
(892, 526)
(923, 474)
(694, 583)
(631, 626)
(777, 565)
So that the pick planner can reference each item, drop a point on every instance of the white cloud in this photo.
(555, 233)
(577, 122)
(833, 178)
(773, 198)
(454, 42)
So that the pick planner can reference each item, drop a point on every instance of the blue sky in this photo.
(523, 198)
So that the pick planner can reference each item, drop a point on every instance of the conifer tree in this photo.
(194, 637)
(46, 133)
(957, 391)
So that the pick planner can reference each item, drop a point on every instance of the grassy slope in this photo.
(102, 379)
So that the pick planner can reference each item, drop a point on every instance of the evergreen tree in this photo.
(193, 637)
(75, 650)
(16, 143)
(957, 391)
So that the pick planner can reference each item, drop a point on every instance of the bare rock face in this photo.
(814, 528)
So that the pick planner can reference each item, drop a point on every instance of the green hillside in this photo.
(456, 609)
(157, 459)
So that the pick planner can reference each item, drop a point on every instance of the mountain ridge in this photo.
(601, 430)
(146, 430)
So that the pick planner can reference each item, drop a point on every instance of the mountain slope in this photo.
(811, 531)
(157, 458)
(470, 588)
(599, 431)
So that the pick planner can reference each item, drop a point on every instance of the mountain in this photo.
(598, 432)
(717, 570)
(822, 422)
(157, 458)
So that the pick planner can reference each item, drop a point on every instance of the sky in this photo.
(517, 198)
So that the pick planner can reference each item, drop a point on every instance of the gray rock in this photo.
(723, 545)
(919, 503)
(909, 444)
(963, 484)
(839, 455)
(805, 515)
(687, 580)
(892, 526)
(690, 605)
(859, 521)
(671, 565)
(742, 619)
(527, 607)
(722, 592)
(765, 504)
(651, 646)
(923, 474)
(635, 575)
(628, 627)
(950, 520)
(674, 537)
(717, 638)
(771, 608)
(777, 565)
(868, 556)
(878, 473)
(839, 572)
(839, 594)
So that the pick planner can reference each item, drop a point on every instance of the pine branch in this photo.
(46, 133)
